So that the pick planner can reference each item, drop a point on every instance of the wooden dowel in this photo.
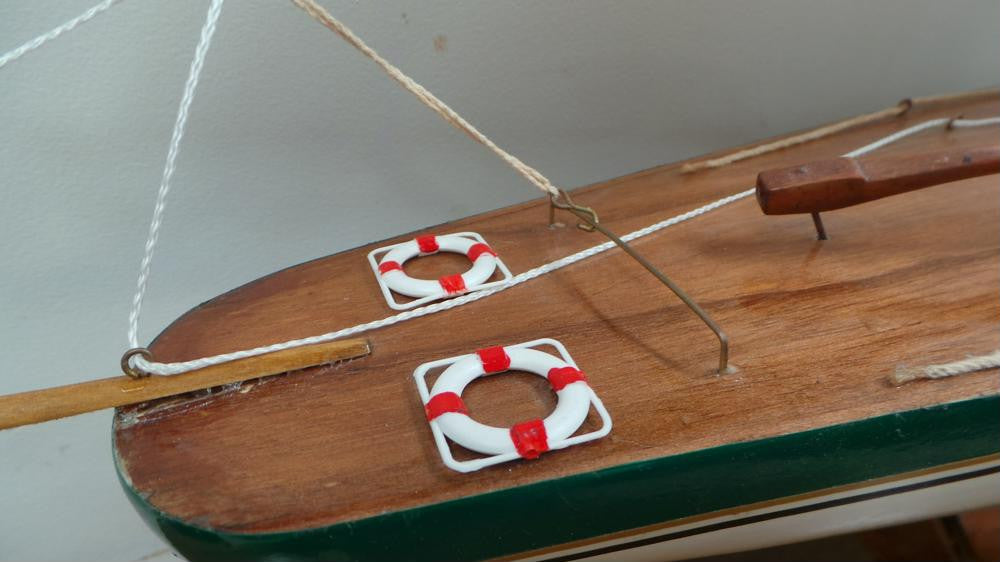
(836, 183)
(53, 403)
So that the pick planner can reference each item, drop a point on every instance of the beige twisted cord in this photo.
(827, 130)
(320, 14)
(906, 374)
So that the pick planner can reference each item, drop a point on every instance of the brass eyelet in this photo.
(130, 369)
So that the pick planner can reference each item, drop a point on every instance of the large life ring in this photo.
(528, 439)
(483, 258)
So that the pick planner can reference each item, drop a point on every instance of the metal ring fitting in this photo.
(130, 369)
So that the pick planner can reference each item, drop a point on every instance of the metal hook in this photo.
(590, 223)
(589, 217)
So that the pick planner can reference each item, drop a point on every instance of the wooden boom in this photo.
(69, 400)
(835, 183)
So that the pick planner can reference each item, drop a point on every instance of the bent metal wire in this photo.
(591, 222)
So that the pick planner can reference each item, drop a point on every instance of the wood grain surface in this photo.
(69, 400)
(836, 183)
(815, 328)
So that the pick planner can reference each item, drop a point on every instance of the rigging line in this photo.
(970, 364)
(185, 366)
(833, 128)
(320, 14)
(204, 42)
(946, 121)
(14, 54)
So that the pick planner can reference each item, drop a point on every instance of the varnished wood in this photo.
(815, 327)
(837, 183)
(59, 402)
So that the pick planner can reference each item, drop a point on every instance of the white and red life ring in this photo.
(529, 439)
(449, 418)
(483, 258)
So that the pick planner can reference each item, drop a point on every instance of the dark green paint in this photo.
(621, 498)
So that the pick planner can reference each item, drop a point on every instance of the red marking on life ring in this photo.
(494, 359)
(427, 244)
(386, 267)
(530, 438)
(444, 403)
(559, 377)
(479, 249)
(453, 284)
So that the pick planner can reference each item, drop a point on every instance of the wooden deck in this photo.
(815, 329)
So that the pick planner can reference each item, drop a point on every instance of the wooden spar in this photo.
(59, 402)
(835, 183)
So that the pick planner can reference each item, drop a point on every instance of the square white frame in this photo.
(390, 298)
(420, 376)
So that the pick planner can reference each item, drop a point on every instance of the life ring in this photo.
(483, 258)
(445, 408)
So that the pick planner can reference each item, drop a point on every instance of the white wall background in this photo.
(298, 147)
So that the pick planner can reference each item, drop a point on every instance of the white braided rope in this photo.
(14, 54)
(944, 121)
(204, 42)
(185, 366)
(452, 117)
(906, 374)
(900, 108)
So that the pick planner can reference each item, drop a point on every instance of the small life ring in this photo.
(483, 258)
(445, 408)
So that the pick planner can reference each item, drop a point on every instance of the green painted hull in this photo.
(625, 497)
